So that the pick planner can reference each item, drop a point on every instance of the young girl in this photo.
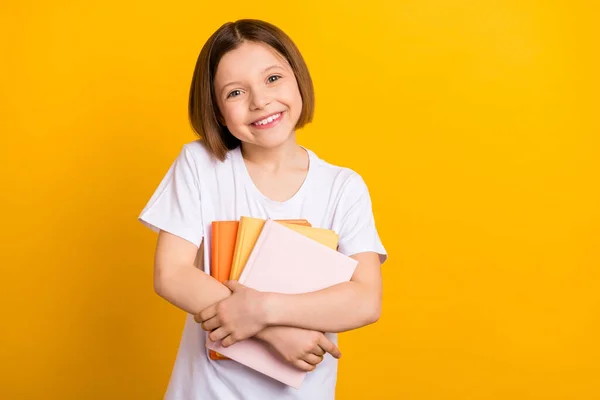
(250, 92)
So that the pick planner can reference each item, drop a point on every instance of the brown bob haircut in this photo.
(203, 111)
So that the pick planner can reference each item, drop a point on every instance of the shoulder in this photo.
(345, 180)
(197, 151)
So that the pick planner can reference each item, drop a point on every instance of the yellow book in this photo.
(247, 234)
(324, 236)
(249, 231)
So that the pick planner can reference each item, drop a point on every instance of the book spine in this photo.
(233, 273)
(214, 251)
(257, 247)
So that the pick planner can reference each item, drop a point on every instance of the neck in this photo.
(288, 153)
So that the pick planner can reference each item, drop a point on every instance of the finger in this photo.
(218, 334)
(329, 347)
(211, 324)
(318, 351)
(232, 285)
(206, 314)
(312, 359)
(303, 365)
(228, 340)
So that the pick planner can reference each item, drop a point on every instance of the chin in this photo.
(279, 140)
(267, 140)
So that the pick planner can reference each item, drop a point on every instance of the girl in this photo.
(250, 92)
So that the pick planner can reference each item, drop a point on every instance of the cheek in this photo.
(296, 102)
(290, 96)
(234, 114)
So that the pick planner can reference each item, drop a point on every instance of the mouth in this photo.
(268, 121)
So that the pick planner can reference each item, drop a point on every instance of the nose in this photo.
(259, 99)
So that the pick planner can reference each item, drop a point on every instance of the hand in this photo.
(238, 317)
(300, 347)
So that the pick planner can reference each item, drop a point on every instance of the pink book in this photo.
(285, 261)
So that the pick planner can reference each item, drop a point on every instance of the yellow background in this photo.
(474, 123)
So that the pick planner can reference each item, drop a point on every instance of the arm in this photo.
(342, 307)
(175, 207)
(338, 308)
(349, 305)
(178, 281)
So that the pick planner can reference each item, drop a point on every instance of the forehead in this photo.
(247, 61)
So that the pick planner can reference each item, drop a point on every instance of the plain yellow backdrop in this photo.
(474, 123)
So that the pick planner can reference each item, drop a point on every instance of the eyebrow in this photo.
(264, 71)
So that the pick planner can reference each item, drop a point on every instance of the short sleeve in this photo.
(356, 225)
(175, 206)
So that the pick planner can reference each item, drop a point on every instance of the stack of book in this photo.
(282, 256)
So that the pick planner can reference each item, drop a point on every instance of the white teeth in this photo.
(267, 120)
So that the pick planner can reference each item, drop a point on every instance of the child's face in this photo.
(252, 83)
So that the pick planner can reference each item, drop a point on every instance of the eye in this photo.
(271, 80)
(234, 93)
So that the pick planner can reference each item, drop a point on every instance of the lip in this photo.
(270, 124)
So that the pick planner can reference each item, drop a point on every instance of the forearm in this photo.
(269, 333)
(339, 308)
(190, 289)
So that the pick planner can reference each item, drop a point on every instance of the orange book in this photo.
(224, 234)
(223, 243)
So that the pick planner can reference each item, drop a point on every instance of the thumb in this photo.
(232, 285)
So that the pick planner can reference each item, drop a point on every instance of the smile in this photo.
(269, 121)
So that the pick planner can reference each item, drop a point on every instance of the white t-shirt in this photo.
(199, 189)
